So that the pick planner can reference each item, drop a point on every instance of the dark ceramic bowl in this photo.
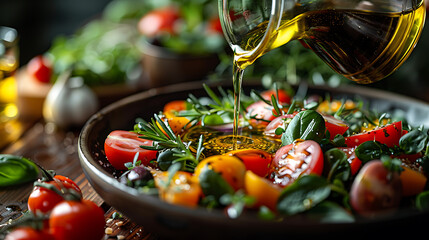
(173, 221)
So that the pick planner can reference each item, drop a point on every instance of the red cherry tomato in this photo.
(334, 126)
(28, 233)
(278, 122)
(40, 68)
(283, 97)
(159, 20)
(375, 190)
(296, 159)
(255, 160)
(71, 220)
(44, 200)
(389, 135)
(355, 163)
(121, 147)
(262, 112)
(214, 26)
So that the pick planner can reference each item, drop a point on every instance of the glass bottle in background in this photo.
(10, 127)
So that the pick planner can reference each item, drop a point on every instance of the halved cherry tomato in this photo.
(159, 20)
(296, 159)
(230, 168)
(255, 160)
(121, 147)
(40, 68)
(260, 110)
(389, 135)
(171, 108)
(28, 233)
(182, 189)
(278, 122)
(281, 95)
(44, 200)
(413, 182)
(265, 192)
(71, 220)
(375, 190)
(334, 126)
(355, 163)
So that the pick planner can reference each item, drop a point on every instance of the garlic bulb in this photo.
(70, 102)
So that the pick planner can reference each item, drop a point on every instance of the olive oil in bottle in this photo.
(363, 46)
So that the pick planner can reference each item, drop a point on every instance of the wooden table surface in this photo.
(56, 149)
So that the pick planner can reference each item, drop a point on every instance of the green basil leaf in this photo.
(212, 184)
(303, 194)
(413, 142)
(336, 165)
(306, 125)
(16, 170)
(422, 201)
(330, 212)
(371, 150)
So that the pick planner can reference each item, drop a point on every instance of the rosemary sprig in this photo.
(164, 138)
(222, 105)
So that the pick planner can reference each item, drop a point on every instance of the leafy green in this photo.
(303, 194)
(212, 184)
(330, 212)
(371, 150)
(16, 170)
(413, 142)
(306, 125)
(422, 201)
(336, 165)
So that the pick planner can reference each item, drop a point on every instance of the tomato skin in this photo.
(283, 97)
(121, 146)
(44, 200)
(159, 20)
(255, 160)
(82, 220)
(214, 26)
(296, 159)
(389, 135)
(355, 162)
(265, 192)
(375, 190)
(172, 107)
(262, 111)
(40, 68)
(334, 126)
(183, 189)
(230, 168)
(276, 123)
(28, 233)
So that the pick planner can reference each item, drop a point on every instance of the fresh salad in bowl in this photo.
(333, 160)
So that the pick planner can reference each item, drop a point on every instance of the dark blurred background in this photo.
(38, 22)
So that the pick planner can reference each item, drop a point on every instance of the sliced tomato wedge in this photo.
(296, 159)
(355, 162)
(255, 160)
(334, 126)
(389, 135)
(278, 122)
(262, 112)
(121, 147)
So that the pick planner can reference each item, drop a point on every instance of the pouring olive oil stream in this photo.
(365, 41)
